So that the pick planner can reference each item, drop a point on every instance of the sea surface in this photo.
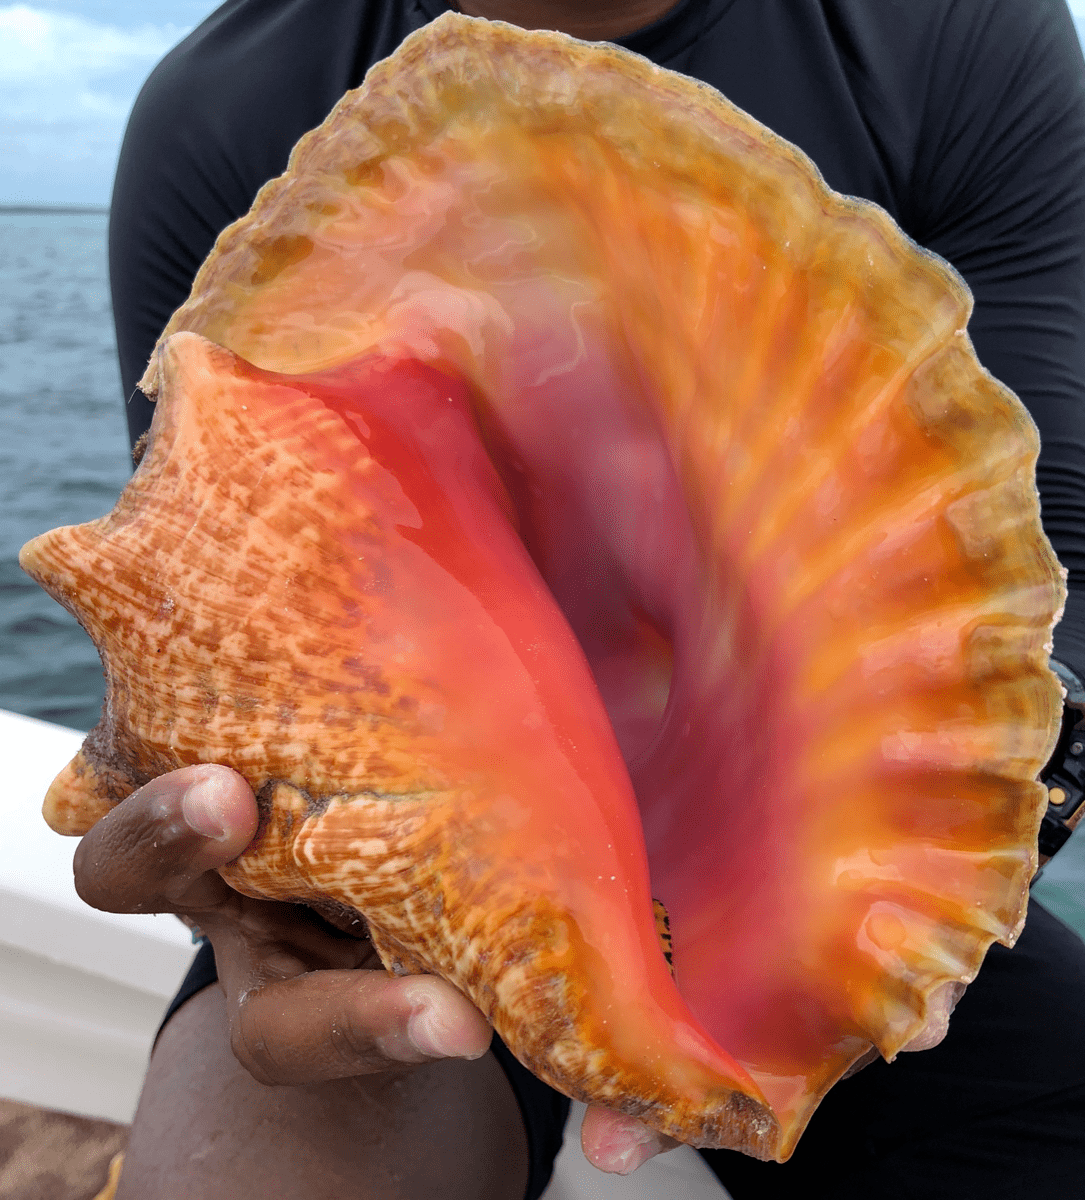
(64, 459)
(63, 445)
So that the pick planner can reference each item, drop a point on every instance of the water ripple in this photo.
(63, 451)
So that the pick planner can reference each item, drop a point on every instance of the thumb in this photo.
(151, 852)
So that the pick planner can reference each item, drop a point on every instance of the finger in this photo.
(871, 1055)
(153, 851)
(940, 1005)
(259, 941)
(620, 1144)
(335, 1024)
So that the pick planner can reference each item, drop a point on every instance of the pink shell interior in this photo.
(789, 519)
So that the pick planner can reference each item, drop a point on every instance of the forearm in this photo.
(206, 1128)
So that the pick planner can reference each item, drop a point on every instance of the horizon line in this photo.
(60, 209)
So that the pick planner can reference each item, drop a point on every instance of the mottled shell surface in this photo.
(558, 498)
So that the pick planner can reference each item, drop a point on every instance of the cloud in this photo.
(67, 84)
(66, 87)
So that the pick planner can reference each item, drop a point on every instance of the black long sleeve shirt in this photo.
(965, 119)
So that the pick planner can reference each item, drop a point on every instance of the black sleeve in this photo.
(181, 179)
(216, 119)
(988, 134)
(999, 191)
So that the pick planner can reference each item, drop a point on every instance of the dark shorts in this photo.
(996, 1111)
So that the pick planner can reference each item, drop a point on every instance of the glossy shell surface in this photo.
(558, 498)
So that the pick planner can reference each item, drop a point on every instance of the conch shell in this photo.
(550, 412)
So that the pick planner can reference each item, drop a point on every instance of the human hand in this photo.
(306, 1003)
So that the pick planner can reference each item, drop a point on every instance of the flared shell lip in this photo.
(691, 105)
(694, 109)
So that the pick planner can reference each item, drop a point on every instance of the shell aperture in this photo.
(587, 505)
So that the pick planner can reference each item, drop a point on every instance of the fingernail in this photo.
(636, 1156)
(630, 1149)
(203, 808)
(429, 1035)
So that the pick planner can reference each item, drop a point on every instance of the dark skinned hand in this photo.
(305, 1002)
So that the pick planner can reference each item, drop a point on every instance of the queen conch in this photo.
(557, 499)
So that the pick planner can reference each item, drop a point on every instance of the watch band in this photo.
(1064, 774)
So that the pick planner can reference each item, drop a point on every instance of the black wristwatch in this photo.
(1064, 774)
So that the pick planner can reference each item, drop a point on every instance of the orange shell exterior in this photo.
(728, 473)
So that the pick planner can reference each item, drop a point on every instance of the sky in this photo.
(69, 71)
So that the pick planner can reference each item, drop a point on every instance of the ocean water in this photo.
(64, 459)
(63, 446)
